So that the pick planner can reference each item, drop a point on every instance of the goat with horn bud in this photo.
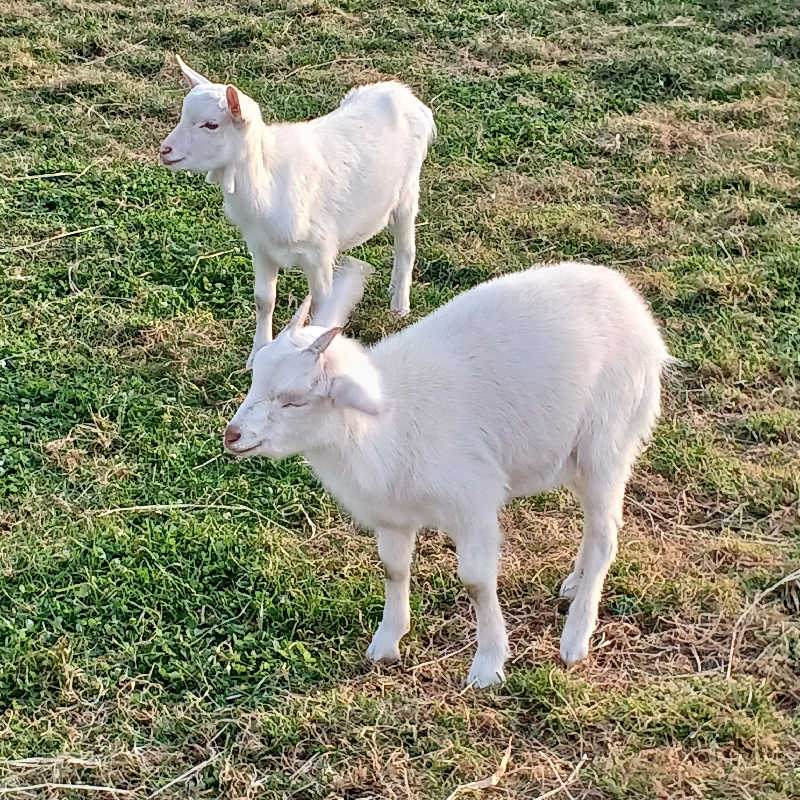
(543, 378)
(303, 192)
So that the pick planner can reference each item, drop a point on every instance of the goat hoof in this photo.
(574, 645)
(383, 649)
(486, 670)
(399, 311)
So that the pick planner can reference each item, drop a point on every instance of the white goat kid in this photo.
(303, 192)
(538, 379)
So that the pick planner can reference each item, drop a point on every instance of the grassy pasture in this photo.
(173, 621)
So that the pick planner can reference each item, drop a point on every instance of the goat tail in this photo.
(648, 407)
(432, 132)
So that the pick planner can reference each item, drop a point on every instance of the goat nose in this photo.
(232, 435)
(165, 151)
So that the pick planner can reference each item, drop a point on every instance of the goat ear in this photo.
(190, 77)
(323, 341)
(345, 391)
(234, 106)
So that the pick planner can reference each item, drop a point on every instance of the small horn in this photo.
(191, 77)
(300, 316)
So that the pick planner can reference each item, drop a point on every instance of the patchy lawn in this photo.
(173, 620)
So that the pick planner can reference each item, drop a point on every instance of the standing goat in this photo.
(538, 379)
(302, 192)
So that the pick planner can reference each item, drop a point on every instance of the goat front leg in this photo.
(478, 550)
(266, 280)
(395, 549)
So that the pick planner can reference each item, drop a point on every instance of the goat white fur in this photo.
(302, 192)
(543, 378)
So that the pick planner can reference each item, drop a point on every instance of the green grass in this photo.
(164, 609)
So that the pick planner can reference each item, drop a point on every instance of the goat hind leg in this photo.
(602, 508)
(405, 251)
(266, 280)
(320, 281)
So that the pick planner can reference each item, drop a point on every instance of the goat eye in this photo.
(212, 126)
(292, 404)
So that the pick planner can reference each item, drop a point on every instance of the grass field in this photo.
(173, 621)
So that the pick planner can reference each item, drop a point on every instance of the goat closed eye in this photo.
(212, 126)
(291, 401)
